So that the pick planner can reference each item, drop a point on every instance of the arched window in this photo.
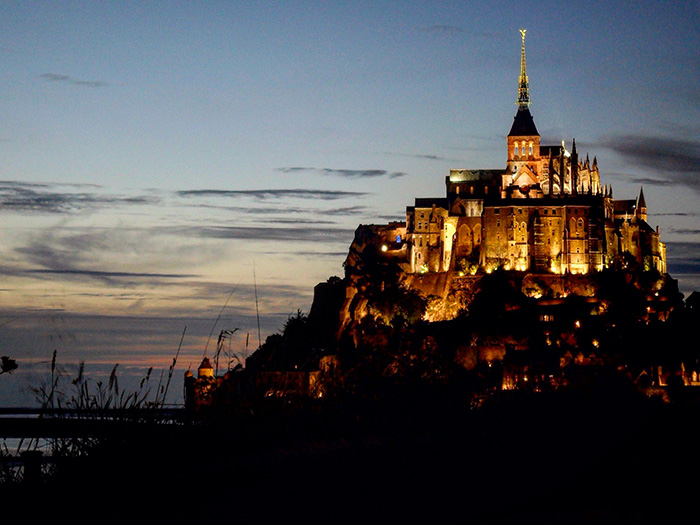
(516, 149)
(530, 148)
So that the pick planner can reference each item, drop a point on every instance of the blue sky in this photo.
(156, 157)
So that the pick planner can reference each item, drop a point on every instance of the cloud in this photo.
(683, 257)
(274, 194)
(37, 197)
(676, 214)
(676, 160)
(650, 182)
(287, 220)
(113, 275)
(265, 233)
(115, 256)
(361, 174)
(685, 231)
(424, 156)
(348, 210)
(345, 173)
(65, 79)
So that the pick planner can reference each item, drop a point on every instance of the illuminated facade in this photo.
(545, 212)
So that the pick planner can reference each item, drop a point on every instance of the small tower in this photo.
(205, 370)
(641, 210)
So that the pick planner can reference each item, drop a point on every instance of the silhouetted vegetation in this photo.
(7, 365)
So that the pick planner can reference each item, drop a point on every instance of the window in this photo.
(530, 148)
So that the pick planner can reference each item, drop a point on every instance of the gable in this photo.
(525, 177)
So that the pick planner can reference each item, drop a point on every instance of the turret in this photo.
(205, 369)
(641, 210)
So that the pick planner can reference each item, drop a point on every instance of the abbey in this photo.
(546, 211)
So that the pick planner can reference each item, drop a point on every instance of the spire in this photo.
(523, 85)
(641, 210)
(641, 202)
(523, 123)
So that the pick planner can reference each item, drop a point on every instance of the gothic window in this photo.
(530, 148)
(516, 149)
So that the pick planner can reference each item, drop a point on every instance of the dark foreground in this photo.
(566, 458)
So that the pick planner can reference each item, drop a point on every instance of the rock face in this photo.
(378, 283)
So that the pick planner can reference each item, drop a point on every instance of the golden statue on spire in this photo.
(523, 85)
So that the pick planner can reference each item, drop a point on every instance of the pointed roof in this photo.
(641, 202)
(523, 124)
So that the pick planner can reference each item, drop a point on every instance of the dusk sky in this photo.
(160, 159)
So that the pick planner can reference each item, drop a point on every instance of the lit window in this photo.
(530, 148)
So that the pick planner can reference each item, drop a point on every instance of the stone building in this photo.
(546, 211)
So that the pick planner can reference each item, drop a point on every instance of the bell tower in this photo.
(523, 139)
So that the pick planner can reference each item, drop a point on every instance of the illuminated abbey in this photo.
(546, 211)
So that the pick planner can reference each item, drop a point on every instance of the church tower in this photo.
(523, 138)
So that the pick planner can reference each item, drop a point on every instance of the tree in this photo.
(7, 365)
